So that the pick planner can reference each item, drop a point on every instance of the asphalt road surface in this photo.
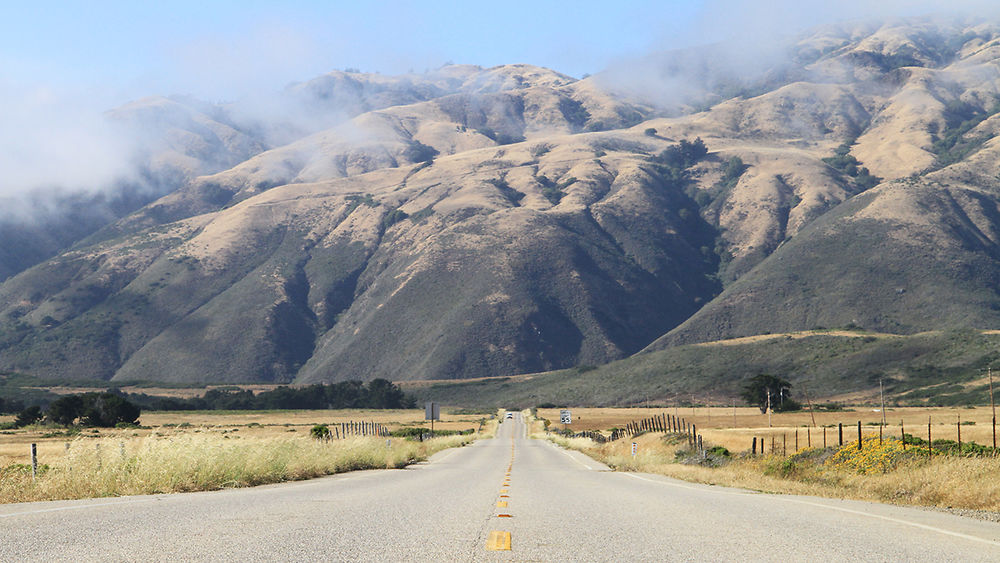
(463, 506)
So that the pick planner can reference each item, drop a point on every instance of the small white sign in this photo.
(565, 416)
(635, 448)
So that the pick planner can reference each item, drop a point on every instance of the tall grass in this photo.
(196, 462)
(942, 481)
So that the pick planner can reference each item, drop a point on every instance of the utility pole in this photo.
(812, 413)
(993, 406)
(768, 407)
(882, 396)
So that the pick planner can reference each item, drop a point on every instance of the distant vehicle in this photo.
(509, 415)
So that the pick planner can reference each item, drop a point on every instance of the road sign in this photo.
(432, 411)
(565, 416)
(635, 448)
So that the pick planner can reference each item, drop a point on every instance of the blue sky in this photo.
(223, 48)
(220, 49)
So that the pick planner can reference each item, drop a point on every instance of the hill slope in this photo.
(478, 222)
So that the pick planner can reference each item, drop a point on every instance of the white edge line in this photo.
(445, 456)
(827, 506)
(567, 454)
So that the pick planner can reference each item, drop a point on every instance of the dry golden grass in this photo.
(943, 481)
(736, 432)
(187, 451)
(124, 465)
(14, 445)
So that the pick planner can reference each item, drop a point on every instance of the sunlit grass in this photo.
(195, 462)
(879, 473)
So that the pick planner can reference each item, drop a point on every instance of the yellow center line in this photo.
(501, 504)
(503, 490)
(498, 541)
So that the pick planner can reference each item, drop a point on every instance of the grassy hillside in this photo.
(938, 368)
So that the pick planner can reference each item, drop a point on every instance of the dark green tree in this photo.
(755, 392)
(65, 410)
(28, 416)
(382, 394)
(107, 410)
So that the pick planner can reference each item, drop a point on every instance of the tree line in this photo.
(105, 409)
(112, 408)
(376, 394)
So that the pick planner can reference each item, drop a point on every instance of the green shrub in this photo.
(320, 432)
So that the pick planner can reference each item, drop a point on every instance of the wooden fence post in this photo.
(796, 440)
(824, 437)
(902, 434)
(958, 425)
(34, 461)
(840, 434)
(809, 439)
(930, 451)
(859, 435)
(753, 448)
(880, 434)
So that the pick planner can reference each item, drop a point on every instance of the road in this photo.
(559, 506)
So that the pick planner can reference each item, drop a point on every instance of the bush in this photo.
(718, 451)
(320, 432)
(871, 458)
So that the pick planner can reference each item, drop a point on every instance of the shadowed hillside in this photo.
(478, 222)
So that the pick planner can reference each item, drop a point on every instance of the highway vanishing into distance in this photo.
(505, 499)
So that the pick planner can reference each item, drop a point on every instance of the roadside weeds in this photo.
(958, 484)
(116, 466)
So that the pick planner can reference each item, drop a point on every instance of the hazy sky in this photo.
(64, 62)
(220, 49)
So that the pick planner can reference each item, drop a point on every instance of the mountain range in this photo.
(470, 222)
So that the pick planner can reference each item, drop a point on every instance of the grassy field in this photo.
(735, 428)
(188, 451)
(883, 473)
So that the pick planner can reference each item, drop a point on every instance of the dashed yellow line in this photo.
(501, 504)
(498, 541)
